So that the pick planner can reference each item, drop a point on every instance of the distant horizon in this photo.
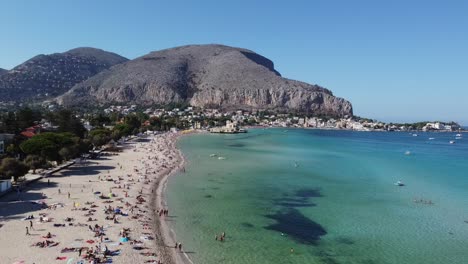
(394, 61)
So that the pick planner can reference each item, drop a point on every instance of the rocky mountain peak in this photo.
(46, 76)
(204, 76)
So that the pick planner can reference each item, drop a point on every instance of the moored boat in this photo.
(399, 183)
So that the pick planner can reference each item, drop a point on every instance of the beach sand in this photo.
(140, 170)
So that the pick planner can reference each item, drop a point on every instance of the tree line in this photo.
(67, 137)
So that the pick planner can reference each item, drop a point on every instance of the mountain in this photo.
(204, 76)
(46, 76)
(3, 71)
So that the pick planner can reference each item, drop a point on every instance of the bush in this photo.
(35, 162)
(10, 167)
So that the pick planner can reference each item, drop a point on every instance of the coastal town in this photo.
(194, 117)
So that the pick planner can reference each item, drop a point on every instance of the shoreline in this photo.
(158, 199)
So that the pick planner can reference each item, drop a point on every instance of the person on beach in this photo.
(180, 246)
(68, 195)
(27, 231)
(31, 224)
(79, 251)
(176, 245)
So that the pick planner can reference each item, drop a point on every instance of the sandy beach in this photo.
(106, 210)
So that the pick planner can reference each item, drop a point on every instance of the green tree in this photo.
(100, 120)
(35, 162)
(10, 167)
(26, 117)
(116, 135)
(13, 149)
(68, 122)
(133, 121)
(39, 146)
(99, 136)
(156, 123)
(66, 153)
(9, 123)
(48, 145)
(84, 145)
(123, 129)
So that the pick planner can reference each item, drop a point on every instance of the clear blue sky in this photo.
(398, 60)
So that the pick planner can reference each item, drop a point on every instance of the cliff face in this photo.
(204, 76)
(46, 76)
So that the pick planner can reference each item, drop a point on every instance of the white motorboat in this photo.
(431, 138)
(399, 183)
(458, 135)
(415, 135)
(213, 155)
(221, 158)
(452, 141)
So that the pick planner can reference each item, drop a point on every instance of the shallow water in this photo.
(328, 195)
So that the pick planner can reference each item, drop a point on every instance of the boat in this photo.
(458, 135)
(431, 138)
(221, 158)
(452, 141)
(407, 152)
(213, 155)
(399, 183)
(415, 135)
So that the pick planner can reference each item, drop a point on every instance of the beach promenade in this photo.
(106, 209)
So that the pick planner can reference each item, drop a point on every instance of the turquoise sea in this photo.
(328, 196)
